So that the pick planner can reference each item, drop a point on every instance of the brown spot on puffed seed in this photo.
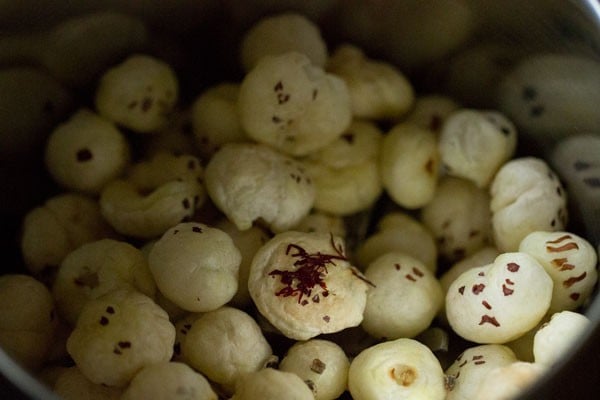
(88, 279)
(147, 104)
(481, 273)
(410, 277)
(573, 280)
(133, 104)
(103, 321)
(507, 291)
(461, 290)
(275, 119)
(314, 94)
(348, 137)
(326, 318)
(574, 296)
(486, 305)
(417, 272)
(110, 310)
(125, 344)
(278, 86)
(317, 366)
(84, 155)
(489, 320)
(562, 265)
(185, 203)
(397, 266)
(404, 375)
(311, 385)
(513, 267)
(197, 229)
(478, 288)
(429, 166)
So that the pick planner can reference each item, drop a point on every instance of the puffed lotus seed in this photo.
(398, 231)
(526, 196)
(138, 93)
(464, 375)
(251, 182)
(378, 90)
(508, 382)
(63, 223)
(195, 266)
(169, 380)
(304, 285)
(86, 152)
(570, 260)
(215, 118)
(270, 383)
(95, 269)
(555, 338)
(398, 369)
(293, 105)
(459, 217)
(72, 384)
(405, 298)
(409, 165)
(322, 364)
(118, 334)
(225, 345)
(501, 301)
(27, 319)
(475, 144)
(280, 34)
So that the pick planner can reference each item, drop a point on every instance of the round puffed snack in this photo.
(27, 319)
(73, 385)
(378, 90)
(526, 196)
(348, 190)
(139, 94)
(304, 285)
(398, 231)
(195, 266)
(474, 144)
(555, 339)
(97, 268)
(458, 216)
(321, 364)
(361, 142)
(248, 182)
(499, 302)
(282, 33)
(85, 152)
(405, 299)
(270, 383)
(63, 223)
(215, 118)
(464, 375)
(409, 165)
(570, 260)
(398, 369)
(224, 345)
(169, 381)
(118, 334)
(292, 105)
(508, 382)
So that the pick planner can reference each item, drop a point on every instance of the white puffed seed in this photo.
(526, 196)
(247, 242)
(499, 302)
(570, 260)
(458, 216)
(405, 298)
(292, 105)
(430, 111)
(27, 319)
(195, 266)
(86, 152)
(169, 380)
(398, 369)
(63, 223)
(148, 216)
(508, 382)
(474, 144)
(304, 285)
(465, 374)
(361, 142)
(224, 345)
(280, 34)
(139, 93)
(398, 231)
(544, 97)
(74, 385)
(215, 118)
(95, 269)
(409, 165)
(270, 383)
(378, 90)
(348, 190)
(322, 365)
(555, 338)
(117, 335)
(248, 182)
